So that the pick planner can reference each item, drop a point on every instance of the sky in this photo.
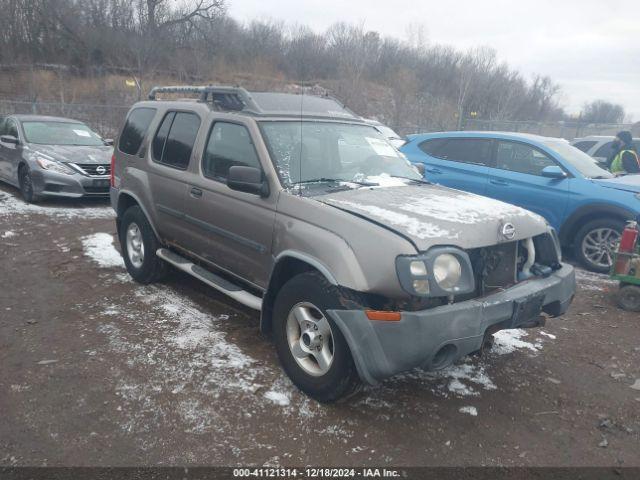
(590, 48)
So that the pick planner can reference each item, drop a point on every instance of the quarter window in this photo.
(135, 130)
(175, 138)
(466, 150)
(521, 158)
(229, 145)
(605, 150)
(584, 146)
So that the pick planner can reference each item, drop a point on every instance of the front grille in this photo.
(91, 169)
(494, 267)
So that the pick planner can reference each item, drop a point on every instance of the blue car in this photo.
(587, 205)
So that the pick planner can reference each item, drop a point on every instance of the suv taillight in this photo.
(113, 167)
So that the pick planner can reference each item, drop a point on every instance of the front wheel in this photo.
(26, 185)
(310, 346)
(139, 245)
(596, 243)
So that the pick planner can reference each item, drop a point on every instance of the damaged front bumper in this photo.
(434, 338)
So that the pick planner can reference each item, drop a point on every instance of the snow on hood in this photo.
(433, 215)
(629, 183)
(75, 153)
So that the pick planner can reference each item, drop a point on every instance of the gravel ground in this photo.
(98, 370)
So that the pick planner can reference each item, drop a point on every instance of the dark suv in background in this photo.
(53, 156)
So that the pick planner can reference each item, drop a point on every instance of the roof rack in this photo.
(221, 97)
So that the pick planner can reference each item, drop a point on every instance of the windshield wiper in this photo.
(335, 180)
(417, 180)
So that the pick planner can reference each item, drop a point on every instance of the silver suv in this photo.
(297, 208)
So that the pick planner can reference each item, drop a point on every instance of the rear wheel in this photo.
(596, 243)
(310, 346)
(139, 245)
(629, 298)
(26, 185)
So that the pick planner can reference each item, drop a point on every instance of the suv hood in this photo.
(433, 215)
(75, 154)
(629, 183)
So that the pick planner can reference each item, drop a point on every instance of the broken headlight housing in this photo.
(439, 272)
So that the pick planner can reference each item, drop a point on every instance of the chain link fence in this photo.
(560, 129)
(104, 119)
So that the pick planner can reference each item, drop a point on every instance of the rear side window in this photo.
(229, 145)
(135, 129)
(605, 150)
(466, 150)
(584, 146)
(175, 138)
(431, 147)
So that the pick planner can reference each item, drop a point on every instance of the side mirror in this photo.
(247, 179)
(420, 168)
(108, 141)
(9, 139)
(553, 171)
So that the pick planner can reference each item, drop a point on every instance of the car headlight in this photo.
(439, 272)
(54, 166)
(447, 271)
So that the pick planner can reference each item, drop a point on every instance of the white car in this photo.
(599, 146)
(392, 137)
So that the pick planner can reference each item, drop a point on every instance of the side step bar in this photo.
(230, 289)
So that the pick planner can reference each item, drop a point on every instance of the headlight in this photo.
(53, 166)
(439, 272)
(447, 271)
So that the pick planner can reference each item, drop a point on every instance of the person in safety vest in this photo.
(624, 159)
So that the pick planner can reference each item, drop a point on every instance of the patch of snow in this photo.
(382, 180)
(552, 337)
(464, 208)
(471, 374)
(278, 398)
(11, 205)
(8, 234)
(593, 281)
(99, 247)
(413, 226)
(508, 341)
(473, 411)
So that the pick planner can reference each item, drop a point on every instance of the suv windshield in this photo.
(338, 152)
(582, 162)
(60, 133)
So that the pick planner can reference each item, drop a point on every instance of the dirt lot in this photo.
(97, 370)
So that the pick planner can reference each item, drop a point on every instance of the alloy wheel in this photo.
(599, 246)
(310, 339)
(135, 245)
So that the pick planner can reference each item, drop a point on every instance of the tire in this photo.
(142, 263)
(26, 185)
(310, 296)
(629, 298)
(588, 239)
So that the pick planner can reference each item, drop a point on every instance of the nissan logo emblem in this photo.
(508, 231)
(100, 170)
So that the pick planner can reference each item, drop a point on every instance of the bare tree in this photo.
(601, 111)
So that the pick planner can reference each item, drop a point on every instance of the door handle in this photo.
(195, 192)
(502, 183)
(433, 170)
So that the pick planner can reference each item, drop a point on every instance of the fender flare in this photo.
(142, 207)
(592, 210)
(272, 289)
